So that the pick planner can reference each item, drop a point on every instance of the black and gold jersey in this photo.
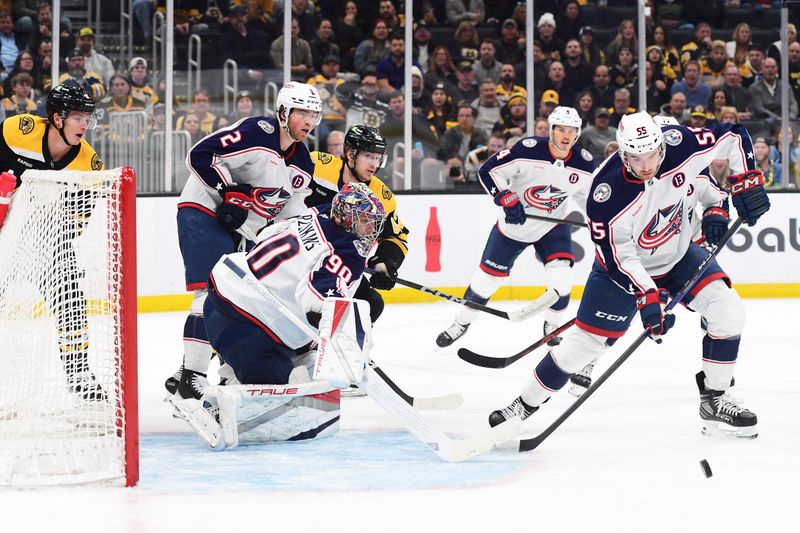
(23, 145)
(328, 180)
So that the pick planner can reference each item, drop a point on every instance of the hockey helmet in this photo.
(368, 139)
(296, 95)
(666, 120)
(360, 212)
(564, 116)
(639, 134)
(68, 97)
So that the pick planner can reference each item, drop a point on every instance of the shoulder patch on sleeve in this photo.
(529, 143)
(266, 126)
(324, 157)
(97, 163)
(602, 193)
(673, 137)
(26, 124)
(586, 154)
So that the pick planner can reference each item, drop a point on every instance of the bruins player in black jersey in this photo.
(56, 143)
(364, 153)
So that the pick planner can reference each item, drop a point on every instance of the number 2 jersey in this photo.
(249, 152)
(542, 182)
(642, 229)
(300, 261)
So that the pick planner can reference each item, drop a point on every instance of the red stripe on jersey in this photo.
(199, 207)
(200, 285)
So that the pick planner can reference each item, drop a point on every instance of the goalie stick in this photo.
(486, 361)
(540, 304)
(526, 445)
(576, 223)
(378, 387)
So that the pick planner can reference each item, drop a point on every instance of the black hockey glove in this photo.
(509, 201)
(651, 308)
(385, 274)
(749, 197)
(236, 202)
(714, 224)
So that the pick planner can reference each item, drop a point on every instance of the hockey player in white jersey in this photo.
(256, 298)
(242, 177)
(639, 207)
(535, 176)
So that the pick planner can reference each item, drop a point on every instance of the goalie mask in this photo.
(296, 95)
(358, 211)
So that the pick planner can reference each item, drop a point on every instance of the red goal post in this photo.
(68, 319)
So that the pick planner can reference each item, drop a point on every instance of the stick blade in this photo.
(482, 360)
(461, 450)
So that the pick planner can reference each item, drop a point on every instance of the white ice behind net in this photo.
(60, 383)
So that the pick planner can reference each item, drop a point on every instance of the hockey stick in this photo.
(446, 401)
(576, 223)
(486, 361)
(540, 304)
(526, 445)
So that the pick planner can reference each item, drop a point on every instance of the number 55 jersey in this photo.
(300, 261)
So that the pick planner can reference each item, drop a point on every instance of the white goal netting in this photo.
(66, 387)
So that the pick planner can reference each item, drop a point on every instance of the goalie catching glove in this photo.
(345, 338)
(749, 197)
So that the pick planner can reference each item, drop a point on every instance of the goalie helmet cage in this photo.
(68, 371)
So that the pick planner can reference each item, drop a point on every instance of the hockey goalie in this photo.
(282, 316)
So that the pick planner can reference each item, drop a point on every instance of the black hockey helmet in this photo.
(69, 96)
(365, 138)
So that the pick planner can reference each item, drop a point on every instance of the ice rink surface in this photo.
(627, 461)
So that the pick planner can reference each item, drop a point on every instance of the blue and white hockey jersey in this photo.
(300, 261)
(249, 152)
(642, 229)
(542, 182)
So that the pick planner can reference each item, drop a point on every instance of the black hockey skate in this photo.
(171, 384)
(720, 413)
(191, 385)
(581, 380)
(547, 329)
(451, 334)
(517, 408)
(85, 385)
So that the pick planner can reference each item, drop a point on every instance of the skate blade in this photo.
(711, 429)
(201, 421)
(576, 390)
(353, 393)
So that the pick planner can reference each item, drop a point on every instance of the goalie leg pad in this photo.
(259, 414)
(343, 353)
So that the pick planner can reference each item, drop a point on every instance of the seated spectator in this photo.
(477, 157)
(713, 67)
(766, 95)
(622, 106)
(776, 152)
(140, 82)
(592, 54)
(424, 138)
(596, 137)
(695, 90)
(465, 10)
(43, 61)
(752, 70)
(305, 13)
(739, 48)
(626, 36)
(466, 44)
(24, 64)
(611, 148)
(335, 143)
(541, 127)
(391, 69)
(120, 99)
(737, 96)
(420, 95)
(487, 107)
(728, 114)
(513, 121)
(333, 112)
(508, 86)
(465, 90)
(159, 122)
(698, 117)
(388, 13)
(243, 107)
(42, 29)
(719, 99)
(601, 87)
(442, 68)
(348, 32)
(699, 47)
(584, 105)
(487, 66)
(774, 50)
(192, 123)
(577, 73)
(669, 53)
(11, 43)
(91, 81)
(441, 112)
(370, 51)
(770, 168)
(94, 60)
(200, 109)
(508, 47)
(247, 46)
(362, 104)
(552, 46)
(548, 103)
(570, 21)
(661, 69)
(323, 45)
(302, 63)
(461, 139)
(624, 73)
(19, 101)
(422, 45)
(676, 108)
(656, 91)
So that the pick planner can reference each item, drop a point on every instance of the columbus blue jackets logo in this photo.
(266, 126)
(268, 201)
(546, 198)
(662, 227)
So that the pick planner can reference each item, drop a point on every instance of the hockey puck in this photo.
(706, 468)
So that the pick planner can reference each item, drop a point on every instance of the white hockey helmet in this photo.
(295, 95)
(662, 120)
(564, 116)
(638, 134)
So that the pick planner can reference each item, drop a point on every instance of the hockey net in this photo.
(68, 384)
